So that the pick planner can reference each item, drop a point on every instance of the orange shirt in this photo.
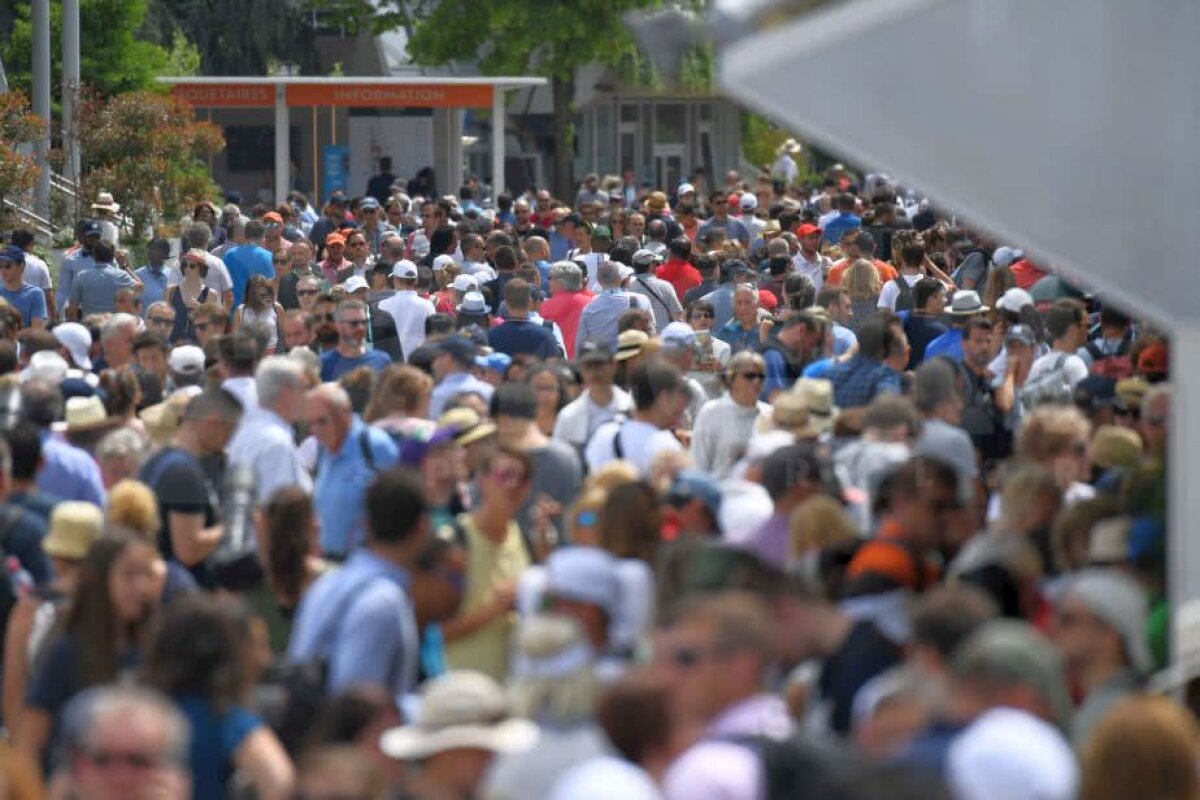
(885, 270)
(1026, 274)
(887, 557)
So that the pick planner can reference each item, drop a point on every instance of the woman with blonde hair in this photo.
(400, 399)
(133, 508)
(861, 282)
(1059, 438)
(1145, 747)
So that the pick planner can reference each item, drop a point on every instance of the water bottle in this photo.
(235, 565)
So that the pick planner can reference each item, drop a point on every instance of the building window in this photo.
(251, 148)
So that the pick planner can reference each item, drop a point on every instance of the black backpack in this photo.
(904, 300)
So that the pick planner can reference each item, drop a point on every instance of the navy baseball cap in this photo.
(459, 347)
(13, 254)
(91, 228)
(692, 484)
(594, 350)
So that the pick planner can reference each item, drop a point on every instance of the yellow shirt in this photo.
(488, 565)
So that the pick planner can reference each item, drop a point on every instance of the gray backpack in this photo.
(1050, 388)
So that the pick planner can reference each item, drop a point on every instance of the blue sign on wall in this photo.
(335, 169)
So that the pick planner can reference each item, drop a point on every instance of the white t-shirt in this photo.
(1073, 367)
(36, 272)
(217, 279)
(640, 443)
(890, 292)
(410, 311)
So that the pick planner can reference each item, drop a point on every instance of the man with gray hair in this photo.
(133, 743)
(197, 236)
(264, 443)
(116, 341)
(568, 298)
(599, 319)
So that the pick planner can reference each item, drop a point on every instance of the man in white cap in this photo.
(749, 207)
(664, 303)
(75, 344)
(407, 308)
(1101, 633)
(1012, 754)
(186, 364)
(464, 721)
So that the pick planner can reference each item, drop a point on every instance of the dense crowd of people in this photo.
(741, 491)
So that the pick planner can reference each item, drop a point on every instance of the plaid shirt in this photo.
(858, 381)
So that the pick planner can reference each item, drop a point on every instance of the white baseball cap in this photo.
(1014, 300)
(443, 261)
(465, 283)
(354, 283)
(186, 360)
(1007, 256)
(78, 341)
(405, 269)
(748, 202)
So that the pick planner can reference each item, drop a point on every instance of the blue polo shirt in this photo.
(334, 365)
(154, 285)
(29, 300)
(339, 492)
(360, 617)
(242, 262)
(838, 226)
(738, 338)
(860, 380)
(949, 344)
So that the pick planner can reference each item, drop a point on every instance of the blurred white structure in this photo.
(1069, 127)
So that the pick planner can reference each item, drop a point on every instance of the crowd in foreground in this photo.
(729, 492)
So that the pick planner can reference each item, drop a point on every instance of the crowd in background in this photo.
(732, 490)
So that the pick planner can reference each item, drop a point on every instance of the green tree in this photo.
(17, 172)
(540, 37)
(112, 58)
(149, 150)
(236, 37)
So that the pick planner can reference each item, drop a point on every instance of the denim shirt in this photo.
(339, 493)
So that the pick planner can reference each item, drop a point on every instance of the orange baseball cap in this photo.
(1154, 360)
(335, 238)
(272, 217)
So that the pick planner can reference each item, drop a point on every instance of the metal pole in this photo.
(282, 143)
(498, 128)
(41, 103)
(70, 94)
(1183, 501)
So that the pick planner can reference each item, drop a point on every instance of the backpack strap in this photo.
(364, 444)
(618, 448)
(653, 293)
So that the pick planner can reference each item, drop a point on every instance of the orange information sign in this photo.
(221, 95)
(394, 95)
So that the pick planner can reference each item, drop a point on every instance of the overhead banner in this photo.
(337, 95)
(376, 95)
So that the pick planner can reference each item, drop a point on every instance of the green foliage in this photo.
(17, 125)
(112, 58)
(519, 37)
(149, 151)
(184, 57)
(696, 69)
(235, 37)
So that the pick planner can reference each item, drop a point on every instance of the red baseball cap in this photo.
(807, 229)
(767, 299)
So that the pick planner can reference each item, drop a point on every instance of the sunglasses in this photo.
(201, 326)
(508, 477)
(753, 376)
(702, 315)
(355, 323)
(689, 657)
(327, 317)
(161, 321)
(306, 292)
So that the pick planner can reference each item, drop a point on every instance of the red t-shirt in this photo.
(681, 275)
(564, 309)
(1026, 274)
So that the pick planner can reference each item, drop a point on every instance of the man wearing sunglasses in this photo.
(719, 654)
(351, 351)
(920, 499)
(724, 425)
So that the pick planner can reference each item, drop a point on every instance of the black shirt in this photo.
(182, 484)
(864, 654)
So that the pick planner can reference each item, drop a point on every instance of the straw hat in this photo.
(630, 343)
(818, 398)
(790, 146)
(104, 202)
(460, 710)
(74, 526)
(85, 414)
